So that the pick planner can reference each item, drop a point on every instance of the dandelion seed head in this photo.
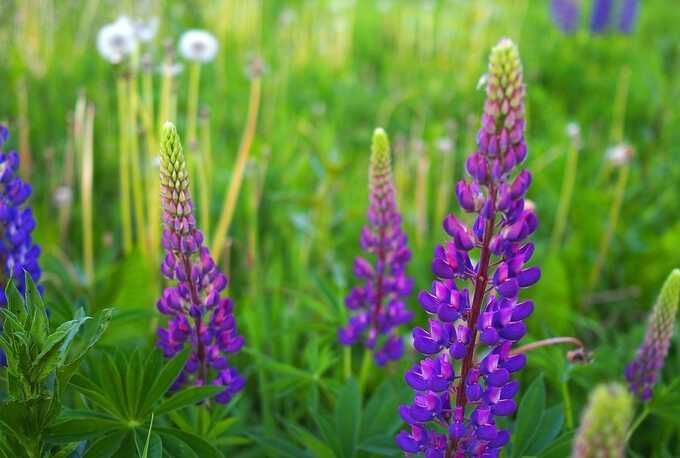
(198, 46)
(117, 40)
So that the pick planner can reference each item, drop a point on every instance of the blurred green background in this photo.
(332, 72)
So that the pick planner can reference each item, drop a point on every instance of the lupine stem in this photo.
(481, 280)
(124, 164)
(568, 414)
(237, 175)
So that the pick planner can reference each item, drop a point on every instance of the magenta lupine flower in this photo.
(379, 299)
(474, 305)
(643, 371)
(200, 316)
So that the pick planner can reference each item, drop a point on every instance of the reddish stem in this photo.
(481, 281)
(198, 321)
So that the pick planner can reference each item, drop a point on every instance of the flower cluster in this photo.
(603, 14)
(379, 300)
(18, 253)
(643, 371)
(474, 305)
(199, 315)
(566, 14)
(604, 423)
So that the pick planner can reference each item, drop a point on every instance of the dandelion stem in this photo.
(192, 104)
(237, 175)
(124, 165)
(614, 212)
(137, 184)
(86, 195)
(638, 421)
(565, 198)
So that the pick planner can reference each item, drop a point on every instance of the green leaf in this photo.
(11, 323)
(96, 395)
(165, 379)
(560, 447)
(133, 374)
(39, 326)
(548, 429)
(93, 331)
(155, 447)
(380, 445)
(15, 302)
(82, 424)
(51, 355)
(309, 440)
(196, 443)
(105, 446)
(66, 451)
(278, 447)
(176, 448)
(528, 417)
(186, 397)
(348, 417)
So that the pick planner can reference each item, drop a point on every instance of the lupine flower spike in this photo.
(18, 253)
(604, 424)
(643, 371)
(600, 16)
(475, 305)
(200, 316)
(566, 14)
(379, 300)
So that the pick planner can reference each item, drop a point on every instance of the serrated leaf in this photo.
(529, 417)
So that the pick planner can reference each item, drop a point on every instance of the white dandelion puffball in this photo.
(117, 40)
(146, 29)
(619, 155)
(198, 46)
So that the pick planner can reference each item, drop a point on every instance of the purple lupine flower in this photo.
(379, 299)
(600, 15)
(18, 253)
(566, 13)
(200, 316)
(474, 304)
(627, 15)
(643, 371)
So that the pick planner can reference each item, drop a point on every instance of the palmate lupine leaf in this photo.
(126, 392)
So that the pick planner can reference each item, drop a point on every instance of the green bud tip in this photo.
(380, 149)
(173, 165)
(670, 292)
(504, 59)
